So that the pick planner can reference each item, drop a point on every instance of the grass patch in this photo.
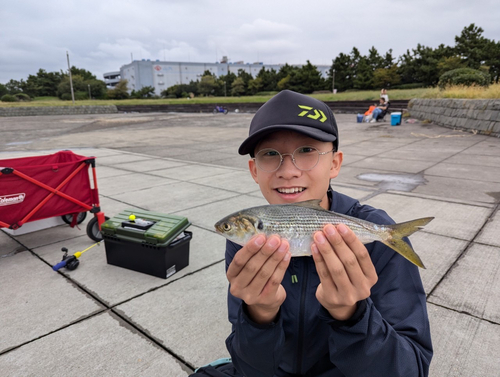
(465, 92)
(493, 91)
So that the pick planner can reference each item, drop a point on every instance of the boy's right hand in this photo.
(256, 273)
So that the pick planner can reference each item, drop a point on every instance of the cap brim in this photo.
(248, 146)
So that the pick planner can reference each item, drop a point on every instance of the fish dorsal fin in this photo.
(312, 203)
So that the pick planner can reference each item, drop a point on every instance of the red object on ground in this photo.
(40, 187)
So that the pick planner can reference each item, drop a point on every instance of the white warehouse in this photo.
(162, 75)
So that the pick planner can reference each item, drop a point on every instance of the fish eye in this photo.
(226, 226)
(260, 225)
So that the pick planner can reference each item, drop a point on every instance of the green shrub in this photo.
(66, 97)
(81, 96)
(464, 76)
(22, 97)
(8, 98)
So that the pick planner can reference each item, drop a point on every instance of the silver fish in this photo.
(297, 223)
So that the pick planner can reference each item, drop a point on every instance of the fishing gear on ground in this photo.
(71, 262)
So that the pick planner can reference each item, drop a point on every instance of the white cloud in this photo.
(102, 35)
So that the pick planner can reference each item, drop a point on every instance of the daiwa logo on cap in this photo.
(316, 115)
(6, 200)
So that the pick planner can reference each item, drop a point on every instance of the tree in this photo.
(306, 79)
(14, 86)
(386, 77)
(225, 83)
(472, 47)
(374, 60)
(446, 64)
(493, 60)
(144, 92)
(98, 88)
(345, 71)
(269, 79)
(421, 65)
(86, 75)
(3, 90)
(255, 85)
(208, 85)
(47, 82)
(245, 76)
(388, 60)
(65, 86)
(238, 87)
(364, 75)
(120, 91)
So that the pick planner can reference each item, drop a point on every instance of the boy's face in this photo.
(306, 185)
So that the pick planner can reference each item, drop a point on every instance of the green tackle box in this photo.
(154, 243)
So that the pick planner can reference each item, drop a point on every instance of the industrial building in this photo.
(162, 74)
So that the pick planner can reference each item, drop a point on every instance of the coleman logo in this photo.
(315, 115)
(6, 200)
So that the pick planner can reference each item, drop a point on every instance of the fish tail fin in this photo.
(398, 231)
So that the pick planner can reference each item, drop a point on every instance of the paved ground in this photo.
(102, 320)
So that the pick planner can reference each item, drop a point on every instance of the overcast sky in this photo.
(102, 35)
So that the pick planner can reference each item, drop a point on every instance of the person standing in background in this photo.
(383, 94)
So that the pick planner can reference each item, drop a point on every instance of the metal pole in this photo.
(225, 95)
(333, 77)
(70, 80)
(90, 94)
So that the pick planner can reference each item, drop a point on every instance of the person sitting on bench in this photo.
(380, 111)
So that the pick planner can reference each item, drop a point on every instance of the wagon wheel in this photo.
(93, 229)
(68, 219)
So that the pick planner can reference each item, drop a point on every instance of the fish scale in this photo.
(308, 221)
(297, 223)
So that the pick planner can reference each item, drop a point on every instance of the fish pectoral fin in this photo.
(312, 203)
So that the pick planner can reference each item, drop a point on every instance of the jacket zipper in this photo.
(300, 342)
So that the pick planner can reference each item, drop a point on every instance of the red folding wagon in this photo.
(40, 187)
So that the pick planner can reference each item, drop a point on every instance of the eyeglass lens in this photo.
(304, 158)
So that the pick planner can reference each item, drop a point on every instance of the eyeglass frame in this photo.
(292, 156)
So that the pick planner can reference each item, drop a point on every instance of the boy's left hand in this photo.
(345, 270)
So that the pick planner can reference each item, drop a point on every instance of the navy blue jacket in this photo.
(388, 334)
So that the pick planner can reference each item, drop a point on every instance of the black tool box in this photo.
(153, 243)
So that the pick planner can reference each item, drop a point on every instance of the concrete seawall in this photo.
(56, 110)
(478, 115)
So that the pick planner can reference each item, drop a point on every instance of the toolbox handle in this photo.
(188, 235)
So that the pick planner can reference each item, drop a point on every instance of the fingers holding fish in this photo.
(356, 255)
(336, 301)
(330, 268)
(256, 277)
(244, 254)
(343, 278)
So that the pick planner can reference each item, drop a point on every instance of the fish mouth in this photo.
(290, 190)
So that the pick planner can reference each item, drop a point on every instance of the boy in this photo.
(351, 309)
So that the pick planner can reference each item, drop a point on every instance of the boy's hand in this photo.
(345, 270)
(256, 273)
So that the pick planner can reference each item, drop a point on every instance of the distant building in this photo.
(162, 75)
(112, 78)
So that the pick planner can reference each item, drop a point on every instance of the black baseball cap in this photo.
(292, 111)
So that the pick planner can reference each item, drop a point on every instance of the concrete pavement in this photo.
(101, 320)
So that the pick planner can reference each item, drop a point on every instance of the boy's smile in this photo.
(289, 184)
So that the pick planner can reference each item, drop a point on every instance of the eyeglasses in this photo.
(304, 158)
